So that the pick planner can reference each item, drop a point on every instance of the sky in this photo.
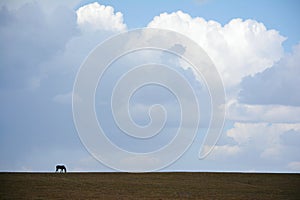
(254, 45)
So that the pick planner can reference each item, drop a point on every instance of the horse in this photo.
(62, 168)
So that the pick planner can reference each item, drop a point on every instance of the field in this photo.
(149, 186)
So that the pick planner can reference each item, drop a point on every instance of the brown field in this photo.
(149, 186)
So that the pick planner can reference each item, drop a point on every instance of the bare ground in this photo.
(149, 186)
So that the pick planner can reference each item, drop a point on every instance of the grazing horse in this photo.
(62, 168)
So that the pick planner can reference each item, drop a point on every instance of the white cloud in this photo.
(47, 5)
(262, 113)
(238, 49)
(44, 57)
(43, 35)
(242, 49)
(146, 161)
(294, 166)
(50, 43)
(99, 17)
(291, 138)
(63, 98)
(225, 151)
(244, 132)
(34, 83)
(270, 96)
(263, 139)
(277, 85)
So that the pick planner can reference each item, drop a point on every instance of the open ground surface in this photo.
(149, 186)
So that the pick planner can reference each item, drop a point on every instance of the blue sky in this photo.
(254, 45)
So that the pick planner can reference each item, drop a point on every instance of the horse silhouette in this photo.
(61, 168)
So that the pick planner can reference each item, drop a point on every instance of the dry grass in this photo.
(149, 186)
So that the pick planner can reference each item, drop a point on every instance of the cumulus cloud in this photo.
(238, 49)
(63, 98)
(41, 49)
(294, 166)
(225, 151)
(263, 139)
(38, 43)
(258, 146)
(29, 37)
(276, 85)
(46, 5)
(261, 113)
(291, 138)
(99, 17)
